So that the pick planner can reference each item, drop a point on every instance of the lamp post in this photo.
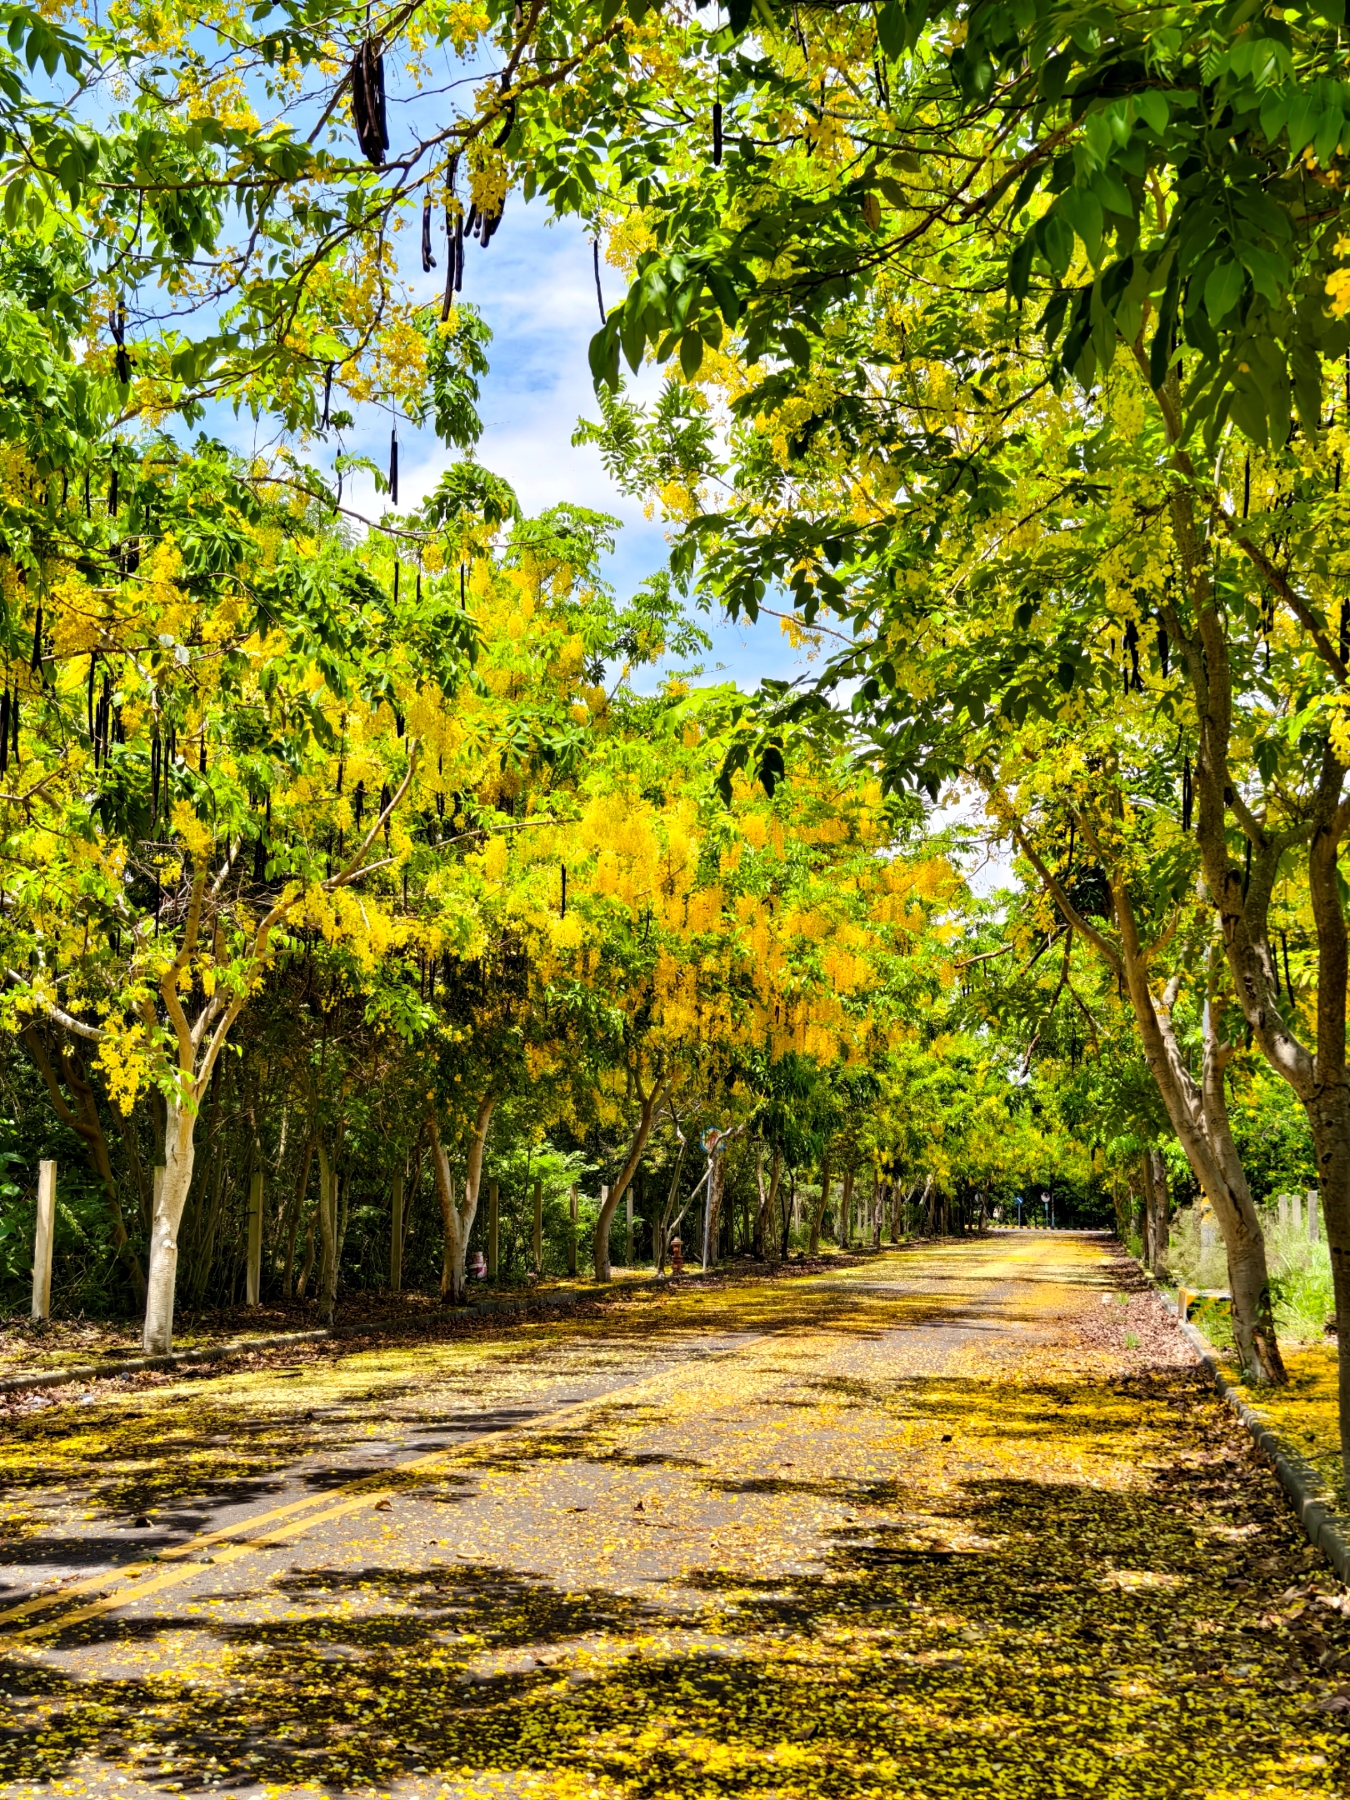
(1049, 1216)
(1019, 1212)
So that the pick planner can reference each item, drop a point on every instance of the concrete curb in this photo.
(1324, 1528)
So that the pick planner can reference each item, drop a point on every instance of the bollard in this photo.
(492, 1231)
(43, 1240)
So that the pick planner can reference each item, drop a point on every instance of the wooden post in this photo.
(396, 1235)
(572, 1238)
(42, 1242)
(538, 1225)
(253, 1276)
(492, 1231)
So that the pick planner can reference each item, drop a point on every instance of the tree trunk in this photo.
(768, 1198)
(328, 1235)
(1154, 1172)
(876, 1211)
(295, 1213)
(651, 1104)
(845, 1230)
(170, 1197)
(818, 1216)
(457, 1217)
(396, 1233)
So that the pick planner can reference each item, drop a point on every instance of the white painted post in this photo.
(43, 1240)
(253, 1273)
(1283, 1200)
(1296, 1211)
(1314, 1231)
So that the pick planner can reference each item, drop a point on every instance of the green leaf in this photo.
(1223, 289)
(891, 30)
(691, 354)
(1153, 109)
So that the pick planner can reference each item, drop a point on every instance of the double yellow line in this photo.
(137, 1581)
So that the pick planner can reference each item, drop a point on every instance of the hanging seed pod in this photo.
(471, 223)
(428, 260)
(1187, 795)
(368, 110)
(358, 803)
(463, 601)
(398, 732)
(1246, 485)
(327, 396)
(112, 495)
(1132, 645)
(418, 596)
(65, 487)
(562, 903)
(35, 661)
(88, 502)
(118, 322)
(396, 569)
(89, 693)
(451, 264)
(393, 468)
(14, 724)
(459, 254)
(201, 759)
(4, 731)
(717, 134)
(1164, 648)
(154, 778)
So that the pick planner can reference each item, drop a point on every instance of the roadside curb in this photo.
(1323, 1526)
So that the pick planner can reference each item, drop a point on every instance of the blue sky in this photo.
(535, 286)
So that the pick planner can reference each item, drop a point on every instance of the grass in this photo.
(1300, 1276)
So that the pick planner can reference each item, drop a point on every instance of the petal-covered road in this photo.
(961, 1520)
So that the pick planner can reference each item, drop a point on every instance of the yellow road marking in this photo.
(128, 1587)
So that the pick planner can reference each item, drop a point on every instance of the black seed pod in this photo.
(428, 260)
(393, 468)
(717, 134)
(368, 110)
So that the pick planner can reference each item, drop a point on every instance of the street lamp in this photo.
(1049, 1217)
(1019, 1212)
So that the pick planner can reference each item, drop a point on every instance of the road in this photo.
(958, 1520)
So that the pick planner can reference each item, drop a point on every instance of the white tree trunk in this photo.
(171, 1192)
